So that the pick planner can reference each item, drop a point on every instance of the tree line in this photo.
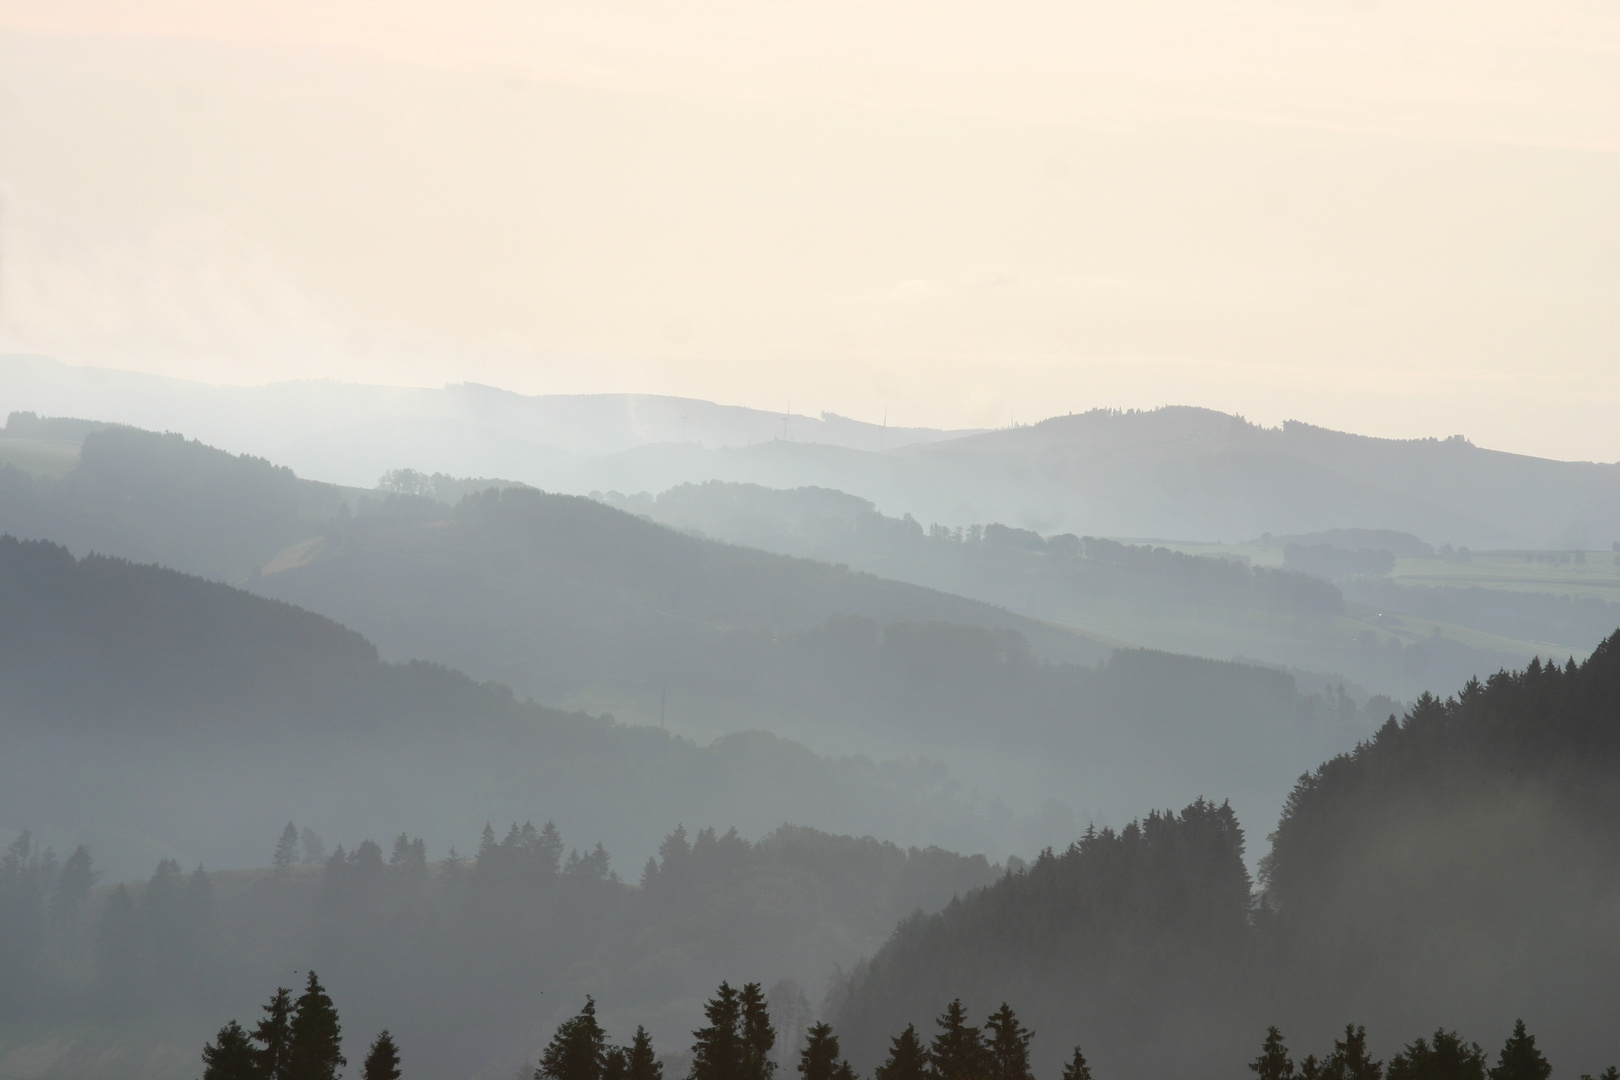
(296, 1039)
(738, 1040)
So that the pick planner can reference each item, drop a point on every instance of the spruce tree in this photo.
(1077, 1069)
(907, 1058)
(758, 1034)
(1448, 1058)
(286, 850)
(315, 1050)
(1007, 1045)
(717, 1049)
(643, 1063)
(1520, 1060)
(1349, 1060)
(819, 1060)
(615, 1063)
(274, 1036)
(1273, 1062)
(956, 1052)
(230, 1056)
(382, 1062)
(576, 1050)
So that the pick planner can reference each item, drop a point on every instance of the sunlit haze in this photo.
(1389, 218)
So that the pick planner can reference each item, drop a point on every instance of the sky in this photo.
(1400, 219)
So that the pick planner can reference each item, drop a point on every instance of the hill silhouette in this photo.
(157, 714)
(1462, 865)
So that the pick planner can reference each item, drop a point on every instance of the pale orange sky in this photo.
(1395, 218)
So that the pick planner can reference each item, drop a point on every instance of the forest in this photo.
(1150, 945)
(153, 717)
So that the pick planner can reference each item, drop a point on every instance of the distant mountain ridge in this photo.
(1180, 473)
(586, 607)
(1177, 472)
(352, 433)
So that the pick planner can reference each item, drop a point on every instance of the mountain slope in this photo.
(158, 714)
(1461, 868)
(1172, 473)
(588, 608)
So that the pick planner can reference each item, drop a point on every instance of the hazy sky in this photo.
(1398, 218)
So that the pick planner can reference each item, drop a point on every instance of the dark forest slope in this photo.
(1461, 868)
(585, 607)
(158, 714)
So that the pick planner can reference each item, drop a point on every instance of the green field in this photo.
(1567, 573)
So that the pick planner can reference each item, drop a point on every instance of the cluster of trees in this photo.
(740, 1037)
(468, 953)
(1469, 850)
(296, 1039)
(1445, 1057)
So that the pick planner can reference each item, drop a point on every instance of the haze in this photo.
(883, 540)
(1397, 219)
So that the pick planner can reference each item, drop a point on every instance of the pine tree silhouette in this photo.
(717, 1051)
(230, 1056)
(315, 1050)
(818, 1059)
(286, 850)
(758, 1035)
(643, 1064)
(1077, 1069)
(956, 1052)
(1448, 1058)
(1273, 1062)
(274, 1035)
(1520, 1060)
(1349, 1060)
(1007, 1043)
(576, 1050)
(382, 1062)
(908, 1060)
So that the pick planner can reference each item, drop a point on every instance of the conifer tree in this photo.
(642, 1063)
(717, 1049)
(819, 1060)
(1349, 1060)
(907, 1058)
(1007, 1045)
(274, 1036)
(956, 1052)
(382, 1062)
(73, 883)
(1448, 1058)
(315, 1049)
(1311, 1069)
(615, 1063)
(1520, 1060)
(576, 1050)
(1077, 1069)
(1273, 1062)
(758, 1034)
(230, 1056)
(286, 850)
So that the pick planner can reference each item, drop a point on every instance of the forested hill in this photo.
(107, 646)
(1480, 838)
(575, 602)
(162, 498)
(155, 714)
(1463, 866)
(588, 608)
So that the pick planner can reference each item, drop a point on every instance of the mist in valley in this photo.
(921, 542)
